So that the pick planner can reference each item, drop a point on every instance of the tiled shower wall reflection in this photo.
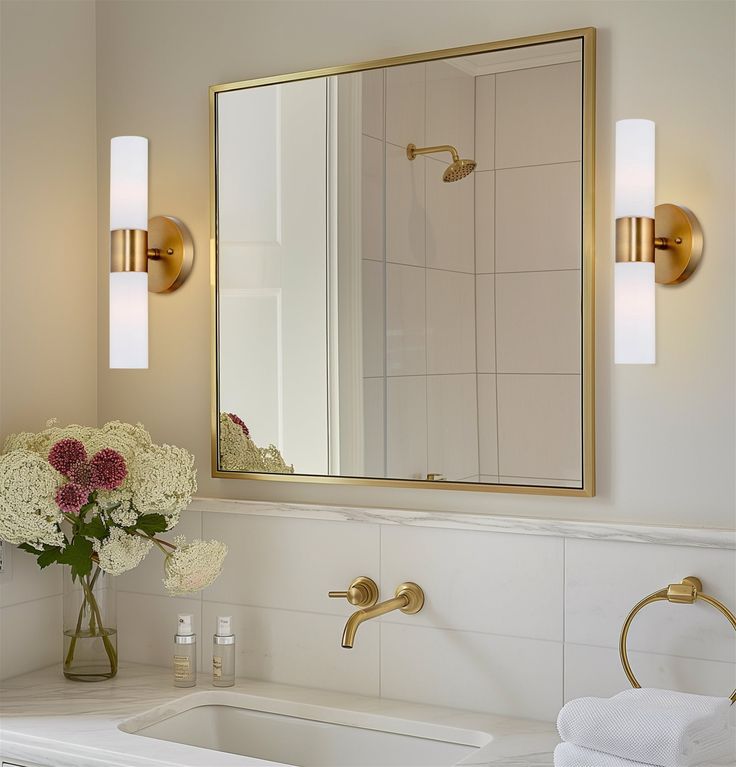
(471, 290)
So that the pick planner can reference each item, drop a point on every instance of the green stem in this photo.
(73, 644)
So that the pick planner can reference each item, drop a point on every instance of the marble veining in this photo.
(51, 722)
(603, 531)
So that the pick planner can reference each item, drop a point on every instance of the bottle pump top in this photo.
(224, 627)
(184, 627)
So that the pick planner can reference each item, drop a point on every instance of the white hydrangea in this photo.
(193, 566)
(28, 511)
(162, 481)
(120, 552)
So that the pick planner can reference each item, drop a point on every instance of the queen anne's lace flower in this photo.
(121, 510)
(238, 452)
(163, 481)
(120, 551)
(193, 566)
(28, 513)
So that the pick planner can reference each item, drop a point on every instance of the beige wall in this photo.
(48, 269)
(665, 433)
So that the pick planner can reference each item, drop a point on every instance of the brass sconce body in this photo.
(165, 251)
(672, 240)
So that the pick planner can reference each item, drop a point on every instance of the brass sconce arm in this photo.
(168, 262)
(409, 599)
(675, 253)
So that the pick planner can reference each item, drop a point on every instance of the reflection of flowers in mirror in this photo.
(238, 451)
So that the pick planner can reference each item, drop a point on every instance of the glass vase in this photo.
(90, 626)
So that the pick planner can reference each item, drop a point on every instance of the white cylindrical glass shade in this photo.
(129, 319)
(634, 192)
(128, 183)
(634, 334)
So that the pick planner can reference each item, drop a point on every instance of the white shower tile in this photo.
(450, 108)
(374, 331)
(450, 322)
(539, 426)
(487, 426)
(372, 238)
(538, 115)
(452, 426)
(450, 221)
(406, 348)
(597, 671)
(374, 435)
(600, 592)
(496, 674)
(538, 218)
(405, 208)
(372, 83)
(485, 331)
(148, 576)
(485, 107)
(485, 221)
(147, 624)
(30, 635)
(405, 100)
(270, 555)
(406, 438)
(538, 322)
(449, 565)
(289, 647)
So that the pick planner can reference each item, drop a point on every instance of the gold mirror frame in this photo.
(587, 36)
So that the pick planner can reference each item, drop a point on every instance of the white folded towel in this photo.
(657, 727)
(570, 755)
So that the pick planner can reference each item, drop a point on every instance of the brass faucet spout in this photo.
(409, 599)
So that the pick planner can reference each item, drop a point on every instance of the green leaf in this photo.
(151, 523)
(95, 528)
(49, 556)
(78, 555)
(30, 549)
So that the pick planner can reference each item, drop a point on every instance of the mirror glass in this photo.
(401, 271)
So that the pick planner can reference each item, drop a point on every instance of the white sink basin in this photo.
(288, 733)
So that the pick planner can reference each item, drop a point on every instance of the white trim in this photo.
(711, 538)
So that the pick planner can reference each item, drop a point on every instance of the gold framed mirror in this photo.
(403, 271)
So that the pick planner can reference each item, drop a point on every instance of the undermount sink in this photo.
(287, 733)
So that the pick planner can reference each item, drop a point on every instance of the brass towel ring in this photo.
(687, 593)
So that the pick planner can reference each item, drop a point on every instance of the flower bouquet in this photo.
(96, 500)
(238, 451)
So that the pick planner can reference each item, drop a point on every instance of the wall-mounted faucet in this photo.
(409, 599)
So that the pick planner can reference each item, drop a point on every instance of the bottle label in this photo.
(182, 667)
(217, 667)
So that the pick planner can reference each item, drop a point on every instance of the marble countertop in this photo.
(48, 721)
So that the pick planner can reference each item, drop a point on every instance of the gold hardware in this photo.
(409, 599)
(433, 477)
(168, 262)
(673, 240)
(455, 171)
(587, 38)
(363, 592)
(688, 591)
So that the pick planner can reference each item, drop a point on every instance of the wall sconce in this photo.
(155, 255)
(662, 244)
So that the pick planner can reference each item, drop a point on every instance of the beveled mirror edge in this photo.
(588, 37)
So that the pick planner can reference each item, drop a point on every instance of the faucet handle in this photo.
(363, 592)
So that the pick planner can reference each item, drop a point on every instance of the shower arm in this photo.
(412, 151)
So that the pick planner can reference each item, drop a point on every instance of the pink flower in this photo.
(85, 475)
(238, 421)
(70, 498)
(110, 468)
(65, 454)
